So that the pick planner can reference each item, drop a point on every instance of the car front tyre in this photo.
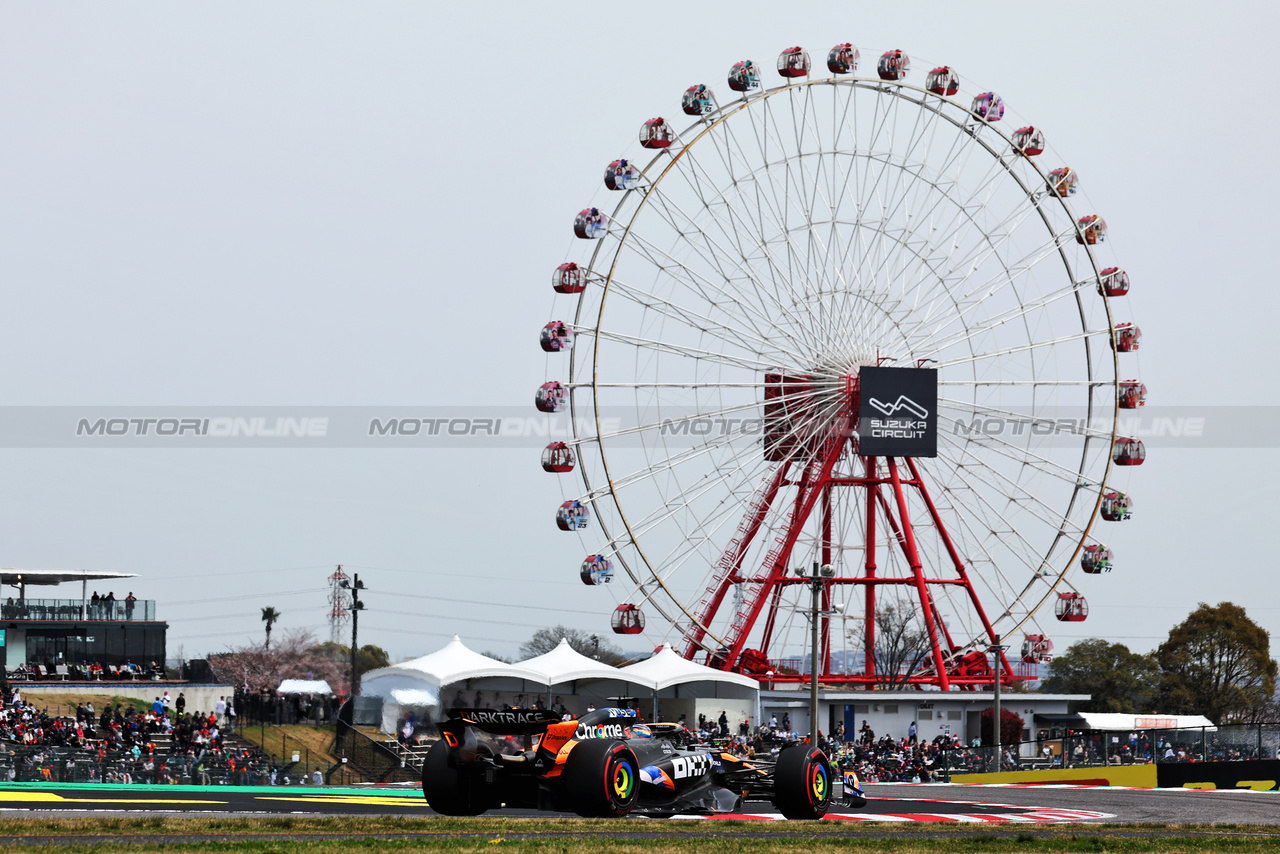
(802, 783)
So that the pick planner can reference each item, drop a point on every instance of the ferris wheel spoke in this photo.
(710, 249)
(1029, 499)
(1026, 418)
(673, 423)
(985, 289)
(979, 521)
(1022, 348)
(780, 208)
(651, 472)
(675, 349)
(964, 217)
(888, 192)
(947, 266)
(769, 292)
(1041, 302)
(719, 296)
(700, 283)
(691, 319)
(664, 513)
(1019, 454)
(994, 523)
(816, 249)
(743, 473)
(960, 213)
(804, 257)
(696, 177)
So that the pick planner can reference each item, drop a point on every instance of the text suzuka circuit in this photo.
(778, 255)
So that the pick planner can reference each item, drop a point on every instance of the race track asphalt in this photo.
(889, 803)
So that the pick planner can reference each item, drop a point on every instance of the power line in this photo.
(247, 596)
(487, 604)
(220, 573)
(453, 617)
(451, 573)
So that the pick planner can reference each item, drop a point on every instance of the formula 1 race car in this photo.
(610, 763)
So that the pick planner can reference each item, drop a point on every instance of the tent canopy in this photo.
(566, 664)
(666, 667)
(304, 686)
(1119, 721)
(454, 663)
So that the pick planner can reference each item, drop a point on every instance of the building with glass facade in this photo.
(75, 633)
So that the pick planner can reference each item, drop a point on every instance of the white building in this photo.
(953, 713)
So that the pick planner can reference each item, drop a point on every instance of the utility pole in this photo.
(998, 650)
(355, 586)
(819, 576)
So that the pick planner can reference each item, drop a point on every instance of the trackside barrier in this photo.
(1160, 749)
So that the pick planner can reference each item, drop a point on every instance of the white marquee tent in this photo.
(666, 668)
(566, 664)
(417, 684)
(687, 688)
(567, 671)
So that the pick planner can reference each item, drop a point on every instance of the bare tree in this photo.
(592, 646)
(902, 647)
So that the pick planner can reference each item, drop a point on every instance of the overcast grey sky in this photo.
(360, 204)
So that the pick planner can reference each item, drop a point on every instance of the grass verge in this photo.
(65, 704)
(578, 836)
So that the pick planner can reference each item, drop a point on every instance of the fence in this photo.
(57, 765)
(272, 709)
(375, 761)
(1127, 747)
(117, 610)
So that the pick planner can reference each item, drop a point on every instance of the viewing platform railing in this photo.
(119, 610)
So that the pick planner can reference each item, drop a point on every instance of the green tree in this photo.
(1217, 663)
(592, 646)
(269, 616)
(1119, 680)
(368, 657)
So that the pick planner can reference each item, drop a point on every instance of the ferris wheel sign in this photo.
(897, 412)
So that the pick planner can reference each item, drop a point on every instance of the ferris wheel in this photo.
(712, 344)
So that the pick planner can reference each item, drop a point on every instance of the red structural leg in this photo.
(819, 462)
(917, 572)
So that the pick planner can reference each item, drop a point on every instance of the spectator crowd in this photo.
(156, 743)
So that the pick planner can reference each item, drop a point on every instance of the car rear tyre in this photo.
(448, 792)
(601, 778)
(802, 783)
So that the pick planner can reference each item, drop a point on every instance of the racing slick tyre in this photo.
(448, 792)
(601, 778)
(802, 783)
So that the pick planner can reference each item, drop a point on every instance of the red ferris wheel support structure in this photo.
(808, 440)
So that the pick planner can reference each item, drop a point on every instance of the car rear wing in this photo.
(501, 721)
